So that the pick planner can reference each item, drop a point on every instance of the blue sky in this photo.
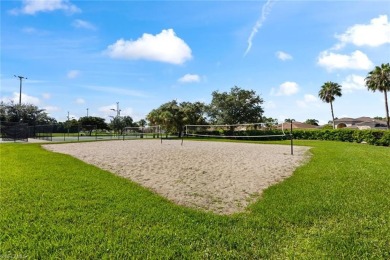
(93, 54)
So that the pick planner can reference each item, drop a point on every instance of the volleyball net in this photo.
(239, 131)
(143, 131)
(255, 132)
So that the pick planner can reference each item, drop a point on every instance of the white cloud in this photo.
(127, 111)
(35, 6)
(107, 110)
(374, 34)
(288, 88)
(73, 74)
(163, 47)
(80, 101)
(283, 56)
(357, 60)
(26, 99)
(51, 109)
(308, 100)
(46, 95)
(353, 82)
(83, 25)
(265, 10)
(189, 78)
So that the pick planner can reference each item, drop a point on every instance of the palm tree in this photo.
(328, 93)
(379, 79)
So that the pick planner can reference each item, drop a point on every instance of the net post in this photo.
(291, 139)
(182, 135)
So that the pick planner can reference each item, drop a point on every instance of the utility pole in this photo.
(20, 89)
(87, 112)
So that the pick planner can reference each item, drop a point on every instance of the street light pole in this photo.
(118, 111)
(20, 88)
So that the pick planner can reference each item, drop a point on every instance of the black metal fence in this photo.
(60, 133)
(42, 132)
(12, 131)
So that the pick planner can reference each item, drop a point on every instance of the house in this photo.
(296, 125)
(360, 123)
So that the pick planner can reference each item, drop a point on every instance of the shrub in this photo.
(373, 137)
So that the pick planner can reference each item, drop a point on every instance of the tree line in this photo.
(34, 116)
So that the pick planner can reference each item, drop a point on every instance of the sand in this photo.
(220, 177)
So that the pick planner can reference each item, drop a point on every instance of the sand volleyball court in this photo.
(221, 177)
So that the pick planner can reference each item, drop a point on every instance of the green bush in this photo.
(373, 137)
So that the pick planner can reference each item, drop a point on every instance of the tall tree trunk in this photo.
(387, 110)
(331, 108)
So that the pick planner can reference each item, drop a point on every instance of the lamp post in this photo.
(20, 88)
(118, 111)
(69, 123)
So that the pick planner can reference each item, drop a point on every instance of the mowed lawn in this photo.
(54, 206)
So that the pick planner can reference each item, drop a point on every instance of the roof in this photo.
(297, 125)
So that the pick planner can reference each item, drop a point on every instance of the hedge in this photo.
(373, 137)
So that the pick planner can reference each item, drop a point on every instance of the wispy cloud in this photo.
(81, 24)
(32, 7)
(309, 100)
(119, 91)
(80, 101)
(353, 82)
(283, 56)
(265, 10)
(72, 74)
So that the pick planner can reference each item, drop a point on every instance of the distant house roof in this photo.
(373, 123)
(296, 125)
(345, 120)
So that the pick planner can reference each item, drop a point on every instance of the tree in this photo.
(169, 116)
(379, 79)
(142, 123)
(24, 113)
(193, 113)
(90, 123)
(328, 92)
(239, 106)
(120, 122)
(312, 122)
(173, 116)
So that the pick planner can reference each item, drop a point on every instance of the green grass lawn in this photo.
(55, 206)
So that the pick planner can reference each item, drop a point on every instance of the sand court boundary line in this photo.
(221, 177)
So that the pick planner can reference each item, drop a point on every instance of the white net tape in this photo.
(211, 130)
(143, 130)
